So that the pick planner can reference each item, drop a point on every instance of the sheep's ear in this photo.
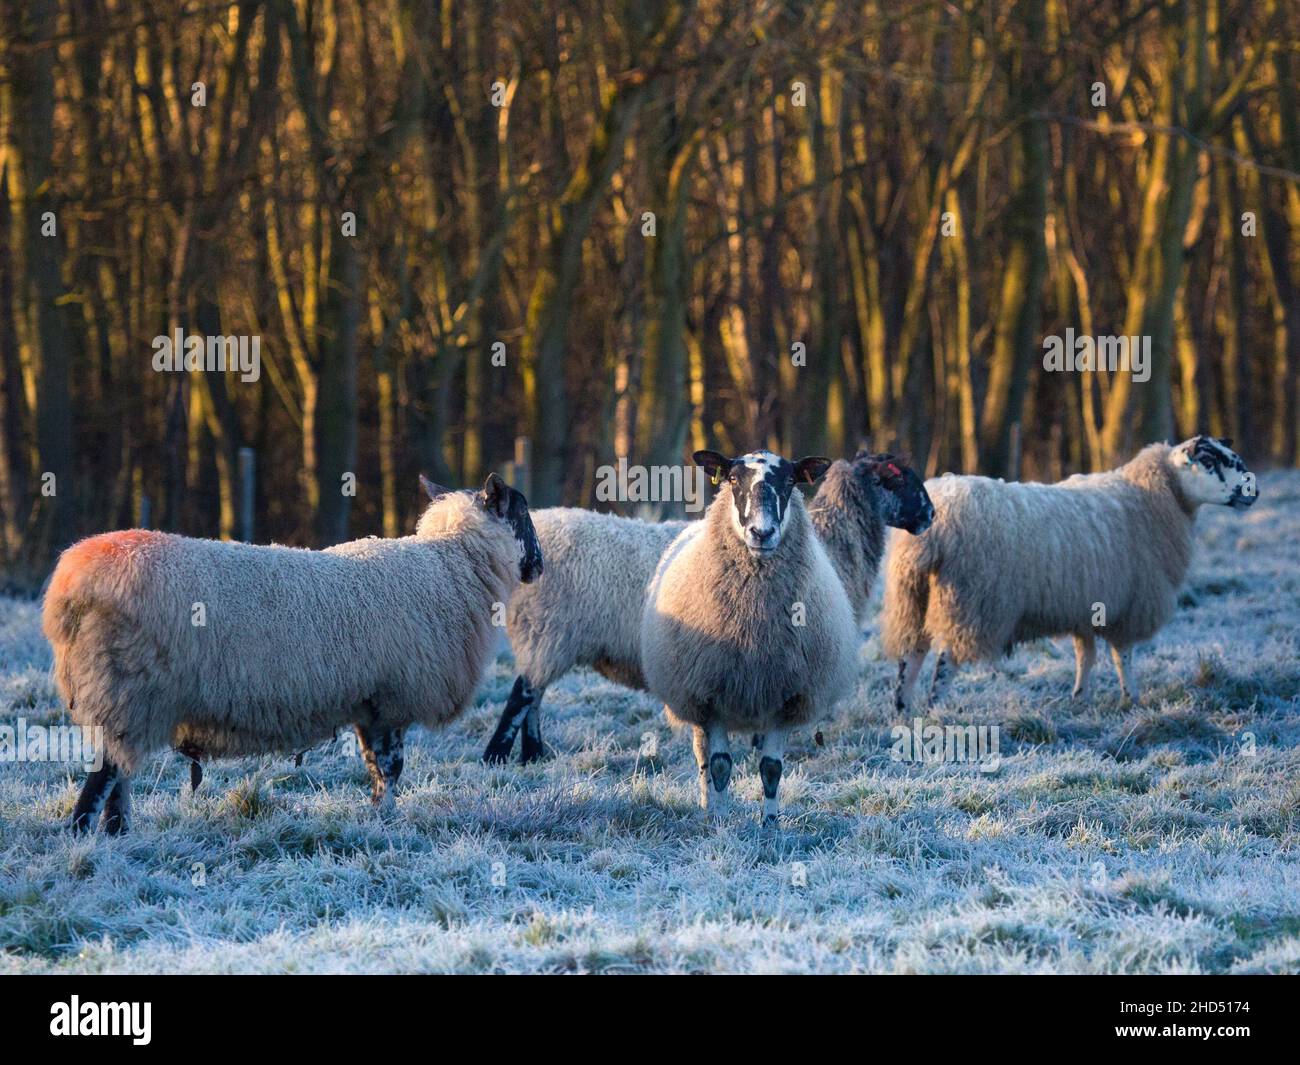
(433, 491)
(884, 466)
(810, 468)
(495, 497)
(715, 465)
(1226, 441)
(864, 448)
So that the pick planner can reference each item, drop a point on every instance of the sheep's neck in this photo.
(491, 555)
(850, 527)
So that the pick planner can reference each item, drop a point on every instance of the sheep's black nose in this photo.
(762, 535)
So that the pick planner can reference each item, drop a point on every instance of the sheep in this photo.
(746, 625)
(225, 649)
(587, 610)
(1096, 554)
(855, 503)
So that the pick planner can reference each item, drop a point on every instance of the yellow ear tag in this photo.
(717, 477)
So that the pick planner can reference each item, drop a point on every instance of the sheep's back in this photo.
(586, 607)
(256, 648)
(1012, 562)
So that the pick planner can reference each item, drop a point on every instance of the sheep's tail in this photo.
(907, 596)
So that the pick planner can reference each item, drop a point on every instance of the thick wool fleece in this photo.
(847, 514)
(586, 608)
(1004, 563)
(719, 638)
(296, 644)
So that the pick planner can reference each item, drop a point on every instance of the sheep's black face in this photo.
(509, 505)
(907, 504)
(1211, 472)
(761, 483)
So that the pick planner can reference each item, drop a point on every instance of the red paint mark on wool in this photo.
(91, 554)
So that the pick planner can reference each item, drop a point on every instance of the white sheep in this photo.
(222, 649)
(587, 610)
(1095, 555)
(746, 625)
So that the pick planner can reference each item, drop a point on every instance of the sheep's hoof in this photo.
(531, 752)
(115, 825)
(714, 805)
(770, 823)
(720, 771)
(495, 755)
(79, 823)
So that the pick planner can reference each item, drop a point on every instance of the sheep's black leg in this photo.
(530, 746)
(117, 810)
(384, 753)
(943, 671)
(770, 767)
(522, 697)
(94, 794)
(193, 753)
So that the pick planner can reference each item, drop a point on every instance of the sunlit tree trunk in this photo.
(15, 455)
(46, 338)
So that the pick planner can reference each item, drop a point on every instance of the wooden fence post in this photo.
(247, 472)
(1013, 454)
(523, 465)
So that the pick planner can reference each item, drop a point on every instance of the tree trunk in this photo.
(1019, 315)
(547, 331)
(335, 414)
(27, 102)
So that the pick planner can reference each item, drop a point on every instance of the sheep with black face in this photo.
(377, 634)
(1099, 554)
(587, 610)
(746, 625)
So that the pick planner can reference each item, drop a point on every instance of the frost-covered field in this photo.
(1159, 839)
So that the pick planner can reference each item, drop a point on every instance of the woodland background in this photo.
(500, 158)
